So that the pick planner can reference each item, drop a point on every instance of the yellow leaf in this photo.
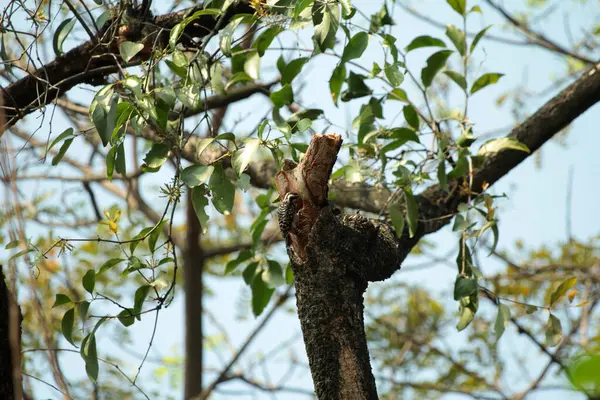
(572, 295)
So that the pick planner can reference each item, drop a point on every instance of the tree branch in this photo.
(95, 59)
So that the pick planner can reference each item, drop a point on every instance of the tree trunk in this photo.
(10, 344)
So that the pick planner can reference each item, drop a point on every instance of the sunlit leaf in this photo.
(485, 80)
(61, 34)
(61, 299)
(128, 50)
(502, 319)
(457, 37)
(478, 37)
(562, 289)
(496, 145)
(458, 5)
(195, 175)
(424, 41)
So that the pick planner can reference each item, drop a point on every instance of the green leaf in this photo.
(241, 158)
(496, 233)
(300, 6)
(67, 133)
(458, 38)
(467, 309)
(562, 289)
(108, 265)
(461, 167)
(139, 298)
(233, 264)
(553, 331)
(404, 134)
(411, 116)
(200, 201)
(266, 38)
(335, 82)
(398, 94)
(496, 145)
(347, 9)
(157, 156)
(61, 299)
(273, 276)
(89, 281)
(464, 287)
(458, 5)
(466, 139)
(128, 50)
(252, 65)
(412, 213)
(303, 125)
(355, 47)
(120, 165)
(291, 70)
(67, 325)
(201, 145)
(356, 87)
(110, 162)
(237, 78)
(326, 21)
(485, 80)
(583, 371)
(153, 237)
(126, 317)
(61, 153)
(261, 294)
(21, 253)
(478, 37)
(380, 18)
(397, 218)
(424, 41)
(12, 244)
(435, 63)
(223, 191)
(195, 175)
(283, 96)
(103, 113)
(61, 34)
(393, 74)
(441, 175)
(178, 29)
(91, 359)
(502, 319)
(226, 35)
(83, 308)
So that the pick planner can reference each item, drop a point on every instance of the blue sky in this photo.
(534, 211)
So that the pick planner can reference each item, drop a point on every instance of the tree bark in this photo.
(192, 282)
(10, 344)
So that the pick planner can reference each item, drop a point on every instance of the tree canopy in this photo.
(146, 148)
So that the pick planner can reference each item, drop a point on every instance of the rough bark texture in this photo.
(10, 344)
(98, 58)
(329, 292)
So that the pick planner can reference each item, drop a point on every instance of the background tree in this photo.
(149, 112)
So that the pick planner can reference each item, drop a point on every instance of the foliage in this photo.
(93, 278)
